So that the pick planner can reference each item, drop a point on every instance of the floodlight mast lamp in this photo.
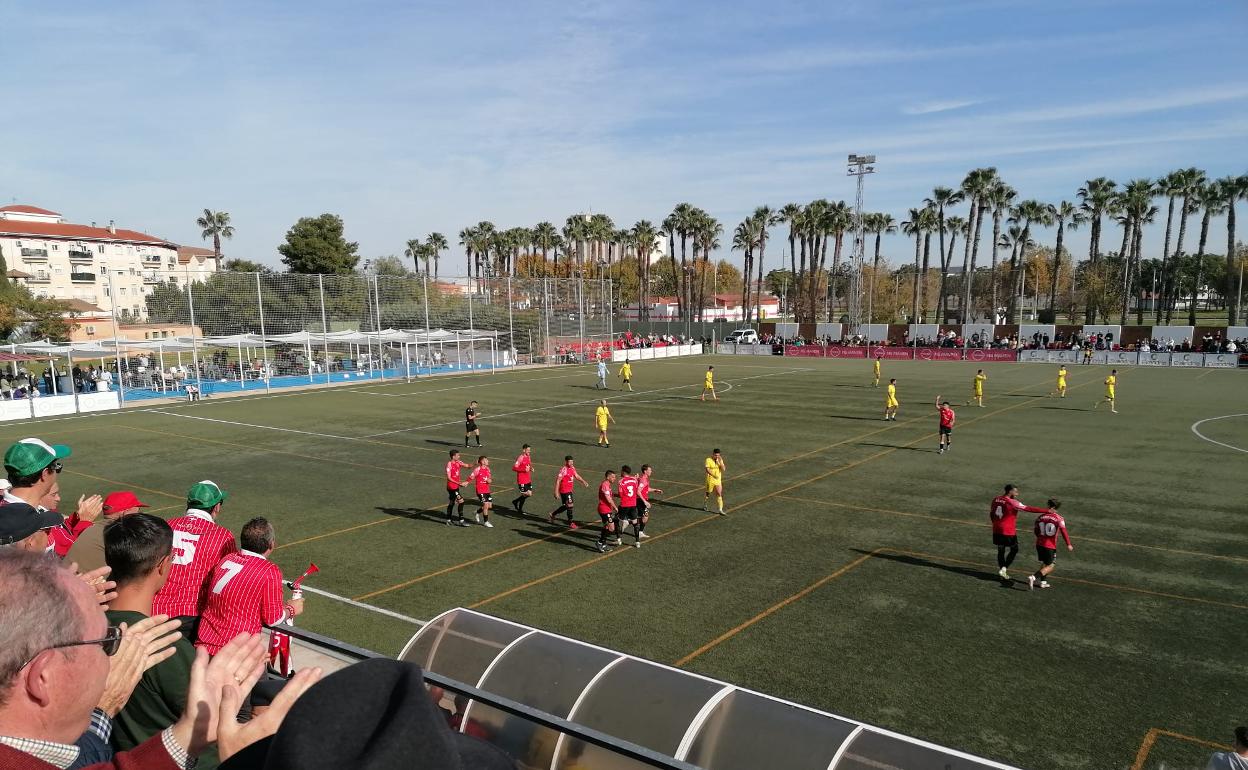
(859, 166)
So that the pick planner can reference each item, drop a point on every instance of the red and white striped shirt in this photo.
(198, 544)
(244, 595)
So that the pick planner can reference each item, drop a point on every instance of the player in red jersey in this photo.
(523, 466)
(454, 471)
(245, 591)
(629, 511)
(481, 478)
(1048, 525)
(1003, 513)
(608, 511)
(947, 418)
(199, 543)
(565, 481)
(643, 500)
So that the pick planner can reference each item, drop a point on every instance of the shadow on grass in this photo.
(896, 446)
(666, 504)
(879, 418)
(424, 514)
(919, 561)
(571, 441)
(583, 538)
(1067, 408)
(443, 442)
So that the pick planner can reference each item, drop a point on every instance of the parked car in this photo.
(743, 337)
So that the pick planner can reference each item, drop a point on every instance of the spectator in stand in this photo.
(32, 466)
(245, 591)
(59, 659)
(139, 549)
(25, 527)
(1236, 758)
(199, 543)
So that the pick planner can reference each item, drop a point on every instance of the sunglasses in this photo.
(110, 643)
(57, 466)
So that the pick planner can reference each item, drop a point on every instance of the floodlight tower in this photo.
(858, 166)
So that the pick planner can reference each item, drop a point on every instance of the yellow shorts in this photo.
(1061, 385)
(602, 425)
(892, 402)
(710, 485)
(1109, 393)
(979, 391)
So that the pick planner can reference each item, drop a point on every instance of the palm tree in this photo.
(1133, 208)
(706, 239)
(415, 251)
(765, 218)
(975, 187)
(1210, 199)
(929, 222)
(215, 225)
(1233, 189)
(837, 220)
(1191, 181)
(1065, 215)
(467, 239)
(941, 197)
(545, 235)
(671, 225)
(643, 236)
(955, 226)
(1015, 239)
(435, 244)
(1001, 197)
(1095, 197)
(743, 240)
(914, 226)
(790, 213)
(1028, 212)
(683, 221)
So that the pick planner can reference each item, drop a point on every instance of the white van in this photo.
(743, 337)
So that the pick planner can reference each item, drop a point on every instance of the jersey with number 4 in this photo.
(244, 595)
(1004, 514)
(1048, 526)
(198, 544)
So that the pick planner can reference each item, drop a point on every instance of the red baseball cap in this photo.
(121, 501)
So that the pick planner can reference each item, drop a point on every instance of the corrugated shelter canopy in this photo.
(692, 718)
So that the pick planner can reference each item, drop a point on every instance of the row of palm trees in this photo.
(429, 250)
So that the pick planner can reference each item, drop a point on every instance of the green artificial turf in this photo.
(854, 572)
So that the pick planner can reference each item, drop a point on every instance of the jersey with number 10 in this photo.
(244, 595)
(1048, 526)
(198, 544)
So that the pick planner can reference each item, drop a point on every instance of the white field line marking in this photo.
(363, 606)
(1198, 423)
(250, 425)
(619, 399)
(463, 387)
(727, 387)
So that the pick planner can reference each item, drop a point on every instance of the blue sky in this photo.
(410, 117)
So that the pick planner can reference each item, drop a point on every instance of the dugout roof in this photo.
(702, 721)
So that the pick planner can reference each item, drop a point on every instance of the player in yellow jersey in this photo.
(601, 416)
(715, 481)
(1110, 382)
(977, 388)
(708, 383)
(875, 370)
(626, 374)
(1061, 382)
(890, 401)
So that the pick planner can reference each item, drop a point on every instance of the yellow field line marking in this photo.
(165, 508)
(1080, 581)
(336, 532)
(1150, 738)
(774, 609)
(126, 485)
(965, 523)
(694, 523)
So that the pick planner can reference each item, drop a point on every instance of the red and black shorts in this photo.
(525, 487)
(565, 498)
(946, 430)
(1007, 541)
(607, 517)
(485, 497)
(628, 513)
(1046, 555)
(452, 494)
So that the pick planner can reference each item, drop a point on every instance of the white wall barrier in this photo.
(1179, 334)
(671, 351)
(1154, 359)
(1090, 329)
(1115, 357)
(1222, 360)
(53, 405)
(923, 331)
(98, 402)
(1184, 359)
(15, 410)
(834, 330)
(1064, 356)
(1026, 331)
(985, 331)
(1035, 356)
(786, 330)
(1237, 332)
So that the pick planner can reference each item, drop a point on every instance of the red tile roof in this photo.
(23, 209)
(76, 305)
(67, 231)
(186, 253)
(18, 274)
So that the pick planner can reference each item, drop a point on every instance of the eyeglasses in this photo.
(57, 466)
(110, 643)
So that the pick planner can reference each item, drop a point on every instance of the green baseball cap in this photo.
(31, 455)
(205, 495)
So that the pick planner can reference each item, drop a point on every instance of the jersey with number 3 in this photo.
(244, 594)
(198, 544)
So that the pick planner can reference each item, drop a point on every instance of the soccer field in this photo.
(854, 572)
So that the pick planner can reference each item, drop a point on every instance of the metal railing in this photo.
(633, 751)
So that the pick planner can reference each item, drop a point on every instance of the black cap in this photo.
(373, 715)
(19, 521)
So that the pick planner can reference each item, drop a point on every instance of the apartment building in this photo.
(108, 267)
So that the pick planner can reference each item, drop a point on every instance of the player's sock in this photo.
(449, 509)
(719, 500)
(569, 512)
(461, 510)
(1001, 562)
(1009, 558)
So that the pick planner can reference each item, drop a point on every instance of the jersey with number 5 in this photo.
(1048, 526)
(244, 594)
(198, 544)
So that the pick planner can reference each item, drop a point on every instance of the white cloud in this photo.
(945, 105)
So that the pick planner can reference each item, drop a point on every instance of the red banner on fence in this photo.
(837, 351)
(978, 354)
(892, 354)
(809, 351)
(938, 354)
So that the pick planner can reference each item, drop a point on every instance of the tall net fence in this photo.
(223, 331)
